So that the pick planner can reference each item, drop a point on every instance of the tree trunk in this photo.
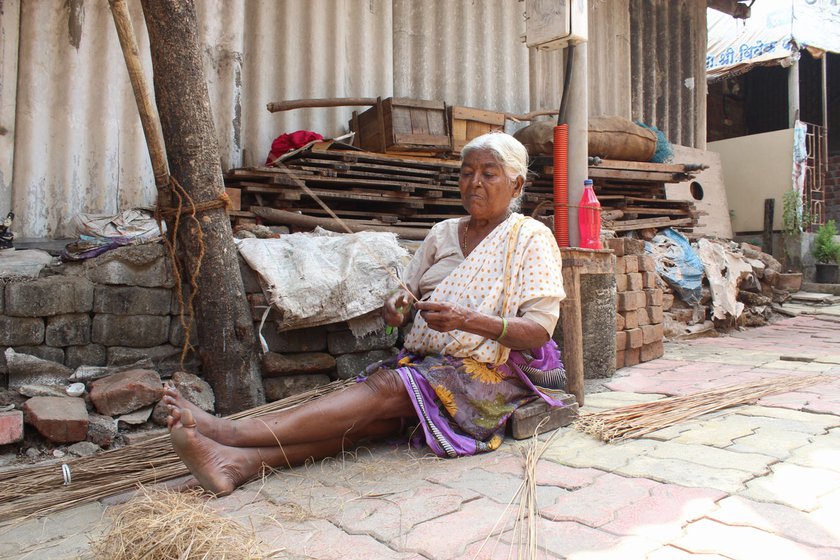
(227, 344)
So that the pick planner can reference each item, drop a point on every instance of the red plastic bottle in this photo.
(589, 218)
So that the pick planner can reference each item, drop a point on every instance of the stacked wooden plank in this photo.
(362, 188)
(632, 194)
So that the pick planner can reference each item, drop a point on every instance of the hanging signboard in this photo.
(776, 29)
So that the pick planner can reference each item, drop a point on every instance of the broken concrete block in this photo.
(59, 419)
(24, 369)
(101, 429)
(126, 391)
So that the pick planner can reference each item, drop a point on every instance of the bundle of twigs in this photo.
(159, 525)
(639, 419)
(41, 490)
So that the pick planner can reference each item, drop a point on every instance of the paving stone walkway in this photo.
(759, 481)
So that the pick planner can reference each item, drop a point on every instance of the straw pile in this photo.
(160, 525)
(40, 490)
(639, 419)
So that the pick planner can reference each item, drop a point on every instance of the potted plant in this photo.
(826, 252)
(794, 220)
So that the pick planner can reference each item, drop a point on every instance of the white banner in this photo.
(775, 29)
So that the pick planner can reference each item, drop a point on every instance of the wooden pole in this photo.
(142, 92)
(767, 234)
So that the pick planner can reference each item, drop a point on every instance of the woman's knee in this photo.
(388, 388)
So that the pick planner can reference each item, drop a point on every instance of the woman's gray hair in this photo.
(511, 154)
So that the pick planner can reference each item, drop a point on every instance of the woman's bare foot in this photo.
(215, 428)
(219, 469)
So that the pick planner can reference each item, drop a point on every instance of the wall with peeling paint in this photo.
(75, 143)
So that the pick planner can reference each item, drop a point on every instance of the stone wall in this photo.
(639, 312)
(121, 307)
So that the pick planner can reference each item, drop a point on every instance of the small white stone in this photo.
(76, 389)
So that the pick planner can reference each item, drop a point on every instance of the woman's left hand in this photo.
(443, 317)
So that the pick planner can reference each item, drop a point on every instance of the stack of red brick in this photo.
(639, 314)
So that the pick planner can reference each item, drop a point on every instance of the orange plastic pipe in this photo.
(561, 185)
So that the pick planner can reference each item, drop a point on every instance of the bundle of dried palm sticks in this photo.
(639, 419)
(41, 490)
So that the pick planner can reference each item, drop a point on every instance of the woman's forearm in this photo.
(518, 334)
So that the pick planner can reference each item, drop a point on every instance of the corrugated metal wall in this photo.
(668, 72)
(75, 144)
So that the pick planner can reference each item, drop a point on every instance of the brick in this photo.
(87, 355)
(11, 427)
(131, 300)
(616, 244)
(633, 246)
(634, 281)
(654, 296)
(656, 314)
(277, 388)
(631, 320)
(259, 305)
(176, 331)
(619, 359)
(642, 316)
(634, 338)
(647, 263)
(343, 342)
(274, 364)
(68, 330)
(620, 282)
(136, 331)
(619, 322)
(629, 301)
(653, 333)
(59, 419)
(250, 279)
(619, 266)
(632, 356)
(20, 331)
(126, 391)
(54, 295)
(620, 341)
(631, 263)
(649, 280)
(652, 351)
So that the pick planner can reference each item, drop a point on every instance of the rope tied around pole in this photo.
(187, 208)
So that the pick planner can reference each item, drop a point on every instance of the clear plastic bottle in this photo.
(589, 218)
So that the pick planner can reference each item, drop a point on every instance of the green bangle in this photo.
(504, 329)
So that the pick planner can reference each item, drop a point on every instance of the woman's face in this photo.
(486, 191)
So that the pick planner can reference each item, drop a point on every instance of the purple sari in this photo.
(463, 405)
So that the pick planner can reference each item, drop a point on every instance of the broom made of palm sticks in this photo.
(41, 490)
(639, 419)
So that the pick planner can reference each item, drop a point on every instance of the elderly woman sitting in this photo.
(486, 289)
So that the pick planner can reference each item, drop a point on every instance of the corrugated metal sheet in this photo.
(668, 72)
(77, 141)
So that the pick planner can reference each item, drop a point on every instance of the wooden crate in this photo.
(466, 123)
(397, 125)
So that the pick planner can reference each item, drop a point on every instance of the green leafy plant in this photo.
(826, 248)
(795, 220)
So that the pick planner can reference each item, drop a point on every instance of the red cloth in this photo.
(292, 141)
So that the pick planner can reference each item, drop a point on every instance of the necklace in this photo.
(464, 242)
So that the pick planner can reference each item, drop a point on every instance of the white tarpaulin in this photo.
(323, 277)
(776, 29)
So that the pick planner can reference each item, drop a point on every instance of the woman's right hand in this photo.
(394, 312)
